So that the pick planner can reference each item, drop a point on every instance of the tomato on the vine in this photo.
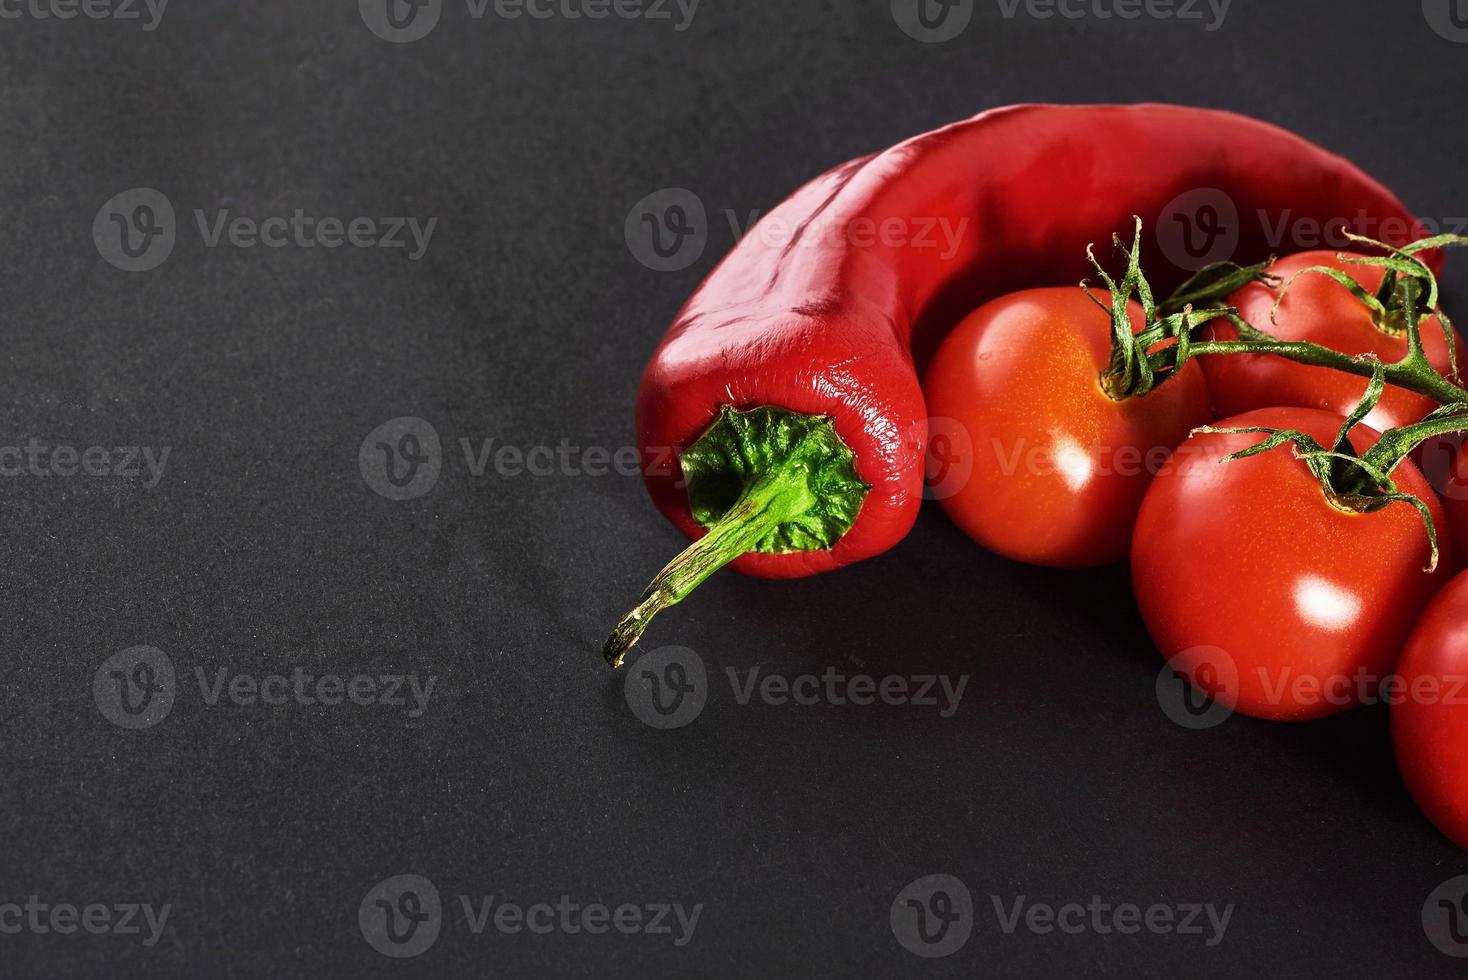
(1319, 310)
(1298, 604)
(1445, 463)
(1059, 466)
(1430, 712)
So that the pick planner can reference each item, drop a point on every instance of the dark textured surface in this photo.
(527, 321)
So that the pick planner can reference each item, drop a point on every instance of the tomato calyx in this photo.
(1407, 297)
(1362, 483)
(1136, 366)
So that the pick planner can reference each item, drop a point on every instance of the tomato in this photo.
(1058, 467)
(1297, 607)
(1430, 712)
(1322, 311)
(1445, 461)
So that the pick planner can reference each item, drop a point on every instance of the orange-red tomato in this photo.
(1445, 461)
(1297, 607)
(1053, 469)
(1322, 311)
(1430, 712)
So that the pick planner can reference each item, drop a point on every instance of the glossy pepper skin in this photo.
(816, 311)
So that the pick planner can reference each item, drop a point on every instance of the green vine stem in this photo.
(1396, 445)
(1134, 368)
(1409, 373)
(1408, 296)
(1213, 285)
(1413, 372)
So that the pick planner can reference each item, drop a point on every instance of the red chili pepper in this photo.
(823, 308)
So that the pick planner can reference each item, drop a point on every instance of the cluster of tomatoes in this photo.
(1270, 592)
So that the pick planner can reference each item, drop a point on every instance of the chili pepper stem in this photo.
(778, 497)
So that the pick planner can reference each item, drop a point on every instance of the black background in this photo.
(528, 322)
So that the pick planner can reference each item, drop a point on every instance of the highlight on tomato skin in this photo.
(1059, 467)
(1315, 308)
(1310, 601)
(1430, 719)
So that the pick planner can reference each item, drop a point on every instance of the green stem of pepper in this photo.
(776, 498)
(767, 480)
